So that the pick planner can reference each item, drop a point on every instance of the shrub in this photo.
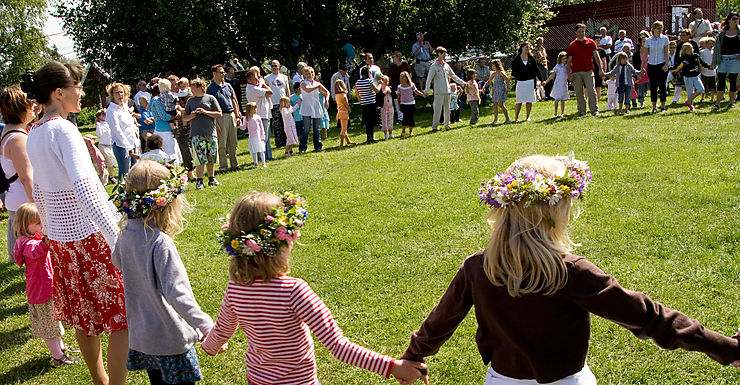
(86, 117)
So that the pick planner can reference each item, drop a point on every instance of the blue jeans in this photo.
(310, 124)
(623, 94)
(268, 146)
(125, 161)
(693, 85)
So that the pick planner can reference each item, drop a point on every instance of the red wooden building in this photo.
(630, 15)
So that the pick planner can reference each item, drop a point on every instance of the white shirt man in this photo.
(606, 42)
(623, 39)
(142, 92)
(278, 83)
(372, 68)
(700, 27)
(298, 77)
(341, 74)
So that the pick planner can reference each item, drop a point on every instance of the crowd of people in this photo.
(109, 265)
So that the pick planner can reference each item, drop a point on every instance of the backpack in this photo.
(5, 182)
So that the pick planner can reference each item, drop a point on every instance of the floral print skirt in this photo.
(88, 290)
(175, 368)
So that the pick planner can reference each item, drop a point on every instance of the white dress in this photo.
(560, 84)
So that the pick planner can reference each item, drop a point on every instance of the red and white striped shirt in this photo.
(278, 318)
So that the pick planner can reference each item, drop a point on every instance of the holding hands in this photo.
(407, 372)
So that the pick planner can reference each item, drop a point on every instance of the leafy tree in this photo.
(22, 43)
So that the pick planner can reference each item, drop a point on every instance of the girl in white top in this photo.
(656, 51)
(102, 131)
(311, 108)
(286, 111)
(18, 112)
(123, 129)
(80, 223)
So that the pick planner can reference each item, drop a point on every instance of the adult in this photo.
(700, 27)
(656, 52)
(394, 74)
(81, 224)
(627, 49)
(365, 90)
(298, 76)
(440, 74)
(182, 131)
(524, 70)
(373, 69)
(605, 43)
(279, 84)
(482, 73)
(18, 112)
(311, 110)
(422, 52)
(259, 93)
(540, 56)
(342, 75)
(227, 123)
(232, 79)
(349, 52)
(598, 80)
(162, 121)
(727, 58)
(201, 111)
(122, 129)
(684, 37)
(145, 120)
(142, 93)
(623, 39)
(582, 52)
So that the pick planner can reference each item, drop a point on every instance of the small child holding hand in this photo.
(253, 124)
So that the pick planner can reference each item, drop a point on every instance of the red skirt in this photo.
(88, 290)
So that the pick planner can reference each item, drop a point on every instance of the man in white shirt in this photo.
(298, 77)
(142, 92)
(371, 67)
(700, 27)
(341, 74)
(259, 92)
(279, 85)
(623, 39)
(606, 43)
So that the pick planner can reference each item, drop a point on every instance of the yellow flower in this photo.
(234, 244)
(565, 188)
(263, 231)
(512, 184)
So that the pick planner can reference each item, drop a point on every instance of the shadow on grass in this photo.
(26, 371)
(13, 289)
(14, 338)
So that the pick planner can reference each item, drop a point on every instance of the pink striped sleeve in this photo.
(225, 327)
(312, 310)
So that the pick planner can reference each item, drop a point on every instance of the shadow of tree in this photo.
(14, 338)
(26, 371)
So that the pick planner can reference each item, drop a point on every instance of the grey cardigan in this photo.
(163, 316)
(630, 72)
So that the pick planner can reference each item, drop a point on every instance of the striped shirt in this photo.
(365, 91)
(278, 318)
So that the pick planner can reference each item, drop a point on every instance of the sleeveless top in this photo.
(16, 194)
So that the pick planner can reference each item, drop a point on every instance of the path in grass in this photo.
(391, 222)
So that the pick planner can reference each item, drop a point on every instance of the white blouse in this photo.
(122, 126)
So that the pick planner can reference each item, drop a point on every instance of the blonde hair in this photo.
(309, 69)
(386, 79)
(147, 175)
(562, 55)
(164, 86)
(405, 76)
(199, 83)
(26, 215)
(250, 109)
(113, 86)
(284, 102)
(686, 49)
(183, 82)
(527, 244)
(656, 24)
(621, 56)
(248, 213)
(340, 87)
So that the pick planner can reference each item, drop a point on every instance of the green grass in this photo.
(391, 222)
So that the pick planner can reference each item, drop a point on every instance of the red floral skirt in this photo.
(88, 290)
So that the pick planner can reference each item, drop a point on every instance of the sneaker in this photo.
(715, 108)
(65, 360)
(199, 184)
(213, 182)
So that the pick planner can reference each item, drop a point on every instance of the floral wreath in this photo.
(137, 205)
(278, 228)
(524, 186)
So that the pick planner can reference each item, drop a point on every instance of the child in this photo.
(690, 68)
(275, 310)
(343, 110)
(472, 95)
(455, 92)
(286, 112)
(164, 319)
(709, 74)
(386, 111)
(295, 100)
(154, 150)
(548, 293)
(559, 90)
(169, 99)
(253, 123)
(105, 144)
(32, 249)
(624, 72)
(183, 84)
(406, 91)
(97, 158)
(325, 120)
(499, 89)
(611, 94)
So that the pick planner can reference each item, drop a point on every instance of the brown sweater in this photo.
(546, 337)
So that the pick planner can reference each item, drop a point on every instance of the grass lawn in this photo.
(390, 223)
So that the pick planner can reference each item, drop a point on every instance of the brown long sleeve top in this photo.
(546, 337)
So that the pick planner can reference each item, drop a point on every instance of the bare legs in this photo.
(92, 353)
(199, 170)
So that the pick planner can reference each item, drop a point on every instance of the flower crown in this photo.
(277, 229)
(137, 205)
(527, 186)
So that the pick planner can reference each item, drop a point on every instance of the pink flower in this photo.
(296, 234)
(269, 219)
(292, 201)
(298, 222)
(282, 234)
(253, 245)
(161, 201)
(183, 178)
(225, 226)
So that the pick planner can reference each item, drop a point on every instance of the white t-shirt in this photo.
(373, 69)
(703, 27)
(139, 94)
(604, 41)
(706, 55)
(297, 78)
(277, 83)
(102, 131)
(257, 95)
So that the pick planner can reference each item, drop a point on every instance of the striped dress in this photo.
(278, 318)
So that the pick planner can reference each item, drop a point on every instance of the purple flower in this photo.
(269, 219)
(529, 175)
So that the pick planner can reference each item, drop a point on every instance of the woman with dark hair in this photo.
(366, 90)
(727, 58)
(524, 69)
(81, 225)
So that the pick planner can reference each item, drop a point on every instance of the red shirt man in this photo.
(582, 53)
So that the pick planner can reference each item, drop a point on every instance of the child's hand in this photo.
(407, 372)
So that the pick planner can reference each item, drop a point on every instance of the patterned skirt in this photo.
(88, 290)
(175, 369)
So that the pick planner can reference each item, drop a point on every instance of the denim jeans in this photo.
(310, 124)
(125, 161)
(623, 93)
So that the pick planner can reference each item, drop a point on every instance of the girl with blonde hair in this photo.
(533, 297)
(343, 110)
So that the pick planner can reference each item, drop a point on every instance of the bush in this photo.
(86, 117)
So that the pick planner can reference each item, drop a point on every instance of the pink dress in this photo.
(291, 137)
(386, 112)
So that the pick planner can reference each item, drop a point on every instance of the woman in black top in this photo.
(524, 69)
(727, 57)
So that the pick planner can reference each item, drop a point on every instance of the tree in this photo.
(190, 36)
(22, 43)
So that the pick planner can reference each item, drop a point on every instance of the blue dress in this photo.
(499, 93)
(324, 123)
